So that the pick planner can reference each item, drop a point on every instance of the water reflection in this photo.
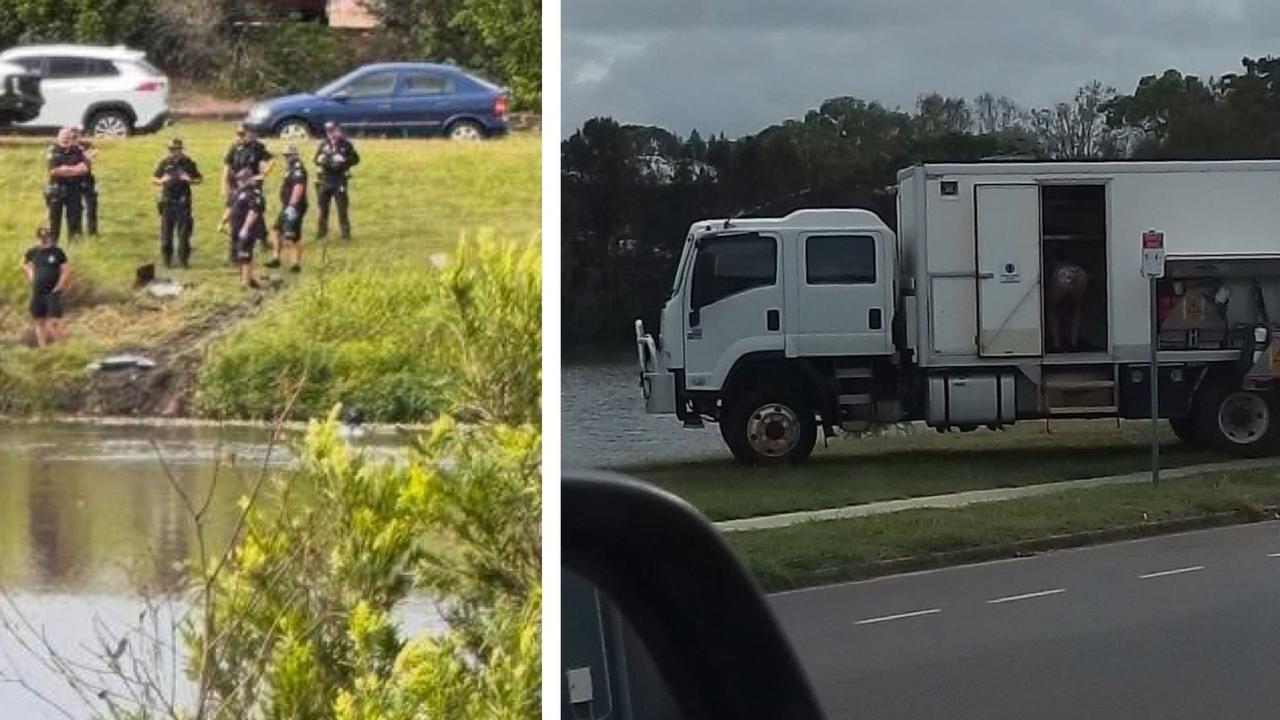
(93, 515)
(99, 509)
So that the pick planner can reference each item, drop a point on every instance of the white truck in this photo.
(826, 318)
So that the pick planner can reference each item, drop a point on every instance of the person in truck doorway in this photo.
(48, 271)
(1067, 286)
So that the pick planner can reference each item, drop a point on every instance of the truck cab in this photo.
(776, 325)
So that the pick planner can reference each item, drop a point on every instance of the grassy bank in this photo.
(843, 549)
(411, 199)
(855, 471)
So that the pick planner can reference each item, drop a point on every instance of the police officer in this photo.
(175, 175)
(293, 207)
(67, 167)
(335, 157)
(247, 221)
(246, 153)
(88, 183)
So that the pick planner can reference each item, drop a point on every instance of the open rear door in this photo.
(1008, 255)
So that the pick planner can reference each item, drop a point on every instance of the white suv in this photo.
(110, 91)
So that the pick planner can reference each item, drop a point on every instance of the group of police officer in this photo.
(72, 192)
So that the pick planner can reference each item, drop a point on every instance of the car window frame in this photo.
(705, 300)
(402, 84)
(50, 60)
(103, 63)
(344, 91)
(874, 257)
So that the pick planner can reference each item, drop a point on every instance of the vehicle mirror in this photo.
(339, 95)
(671, 608)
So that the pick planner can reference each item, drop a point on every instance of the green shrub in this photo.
(298, 625)
(401, 344)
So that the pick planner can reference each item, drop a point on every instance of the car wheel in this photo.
(465, 131)
(770, 427)
(110, 124)
(1241, 422)
(293, 130)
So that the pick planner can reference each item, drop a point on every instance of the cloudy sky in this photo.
(739, 65)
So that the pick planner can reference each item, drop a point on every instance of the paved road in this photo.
(1181, 626)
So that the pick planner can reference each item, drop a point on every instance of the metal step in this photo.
(1073, 411)
(855, 399)
(1079, 384)
(853, 372)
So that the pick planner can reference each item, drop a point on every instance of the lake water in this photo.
(603, 423)
(90, 516)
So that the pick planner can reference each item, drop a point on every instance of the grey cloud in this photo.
(738, 66)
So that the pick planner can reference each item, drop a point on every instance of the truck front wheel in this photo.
(1242, 422)
(767, 428)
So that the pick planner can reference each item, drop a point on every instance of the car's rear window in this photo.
(146, 67)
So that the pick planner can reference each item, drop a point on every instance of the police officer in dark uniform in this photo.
(67, 167)
(175, 175)
(88, 183)
(335, 157)
(293, 207)
(248, 225)
(246, 153)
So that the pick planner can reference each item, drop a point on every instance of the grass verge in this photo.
(411, 199)
(816, 553)
(887, 468)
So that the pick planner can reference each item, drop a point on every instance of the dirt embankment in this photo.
(168, 389)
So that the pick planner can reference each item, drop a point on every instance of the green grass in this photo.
(811, 553)
(403, 345)
(411, 199)
(855, 471)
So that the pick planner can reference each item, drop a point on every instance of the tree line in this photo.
(629, 192)
(224, 45)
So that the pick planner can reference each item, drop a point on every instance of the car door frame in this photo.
(438, 104)
(347, 109)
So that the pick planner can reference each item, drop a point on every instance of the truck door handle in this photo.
(875, 319)
(773, 320)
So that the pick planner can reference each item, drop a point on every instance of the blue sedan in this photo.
(419, 98)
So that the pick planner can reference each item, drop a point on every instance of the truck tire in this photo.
(1241, 422)
(1185, 430)
(770, 427)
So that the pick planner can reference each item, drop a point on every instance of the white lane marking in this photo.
(1273, 554)
(899, 616)
(1026, 596)
(1163, 573)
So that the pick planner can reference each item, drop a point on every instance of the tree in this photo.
(993, 114)
(936, 115)
(83, 21)
(1158, 101)
(1077, 130)
(502, 37)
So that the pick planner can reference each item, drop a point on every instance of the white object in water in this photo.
(350, 432)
